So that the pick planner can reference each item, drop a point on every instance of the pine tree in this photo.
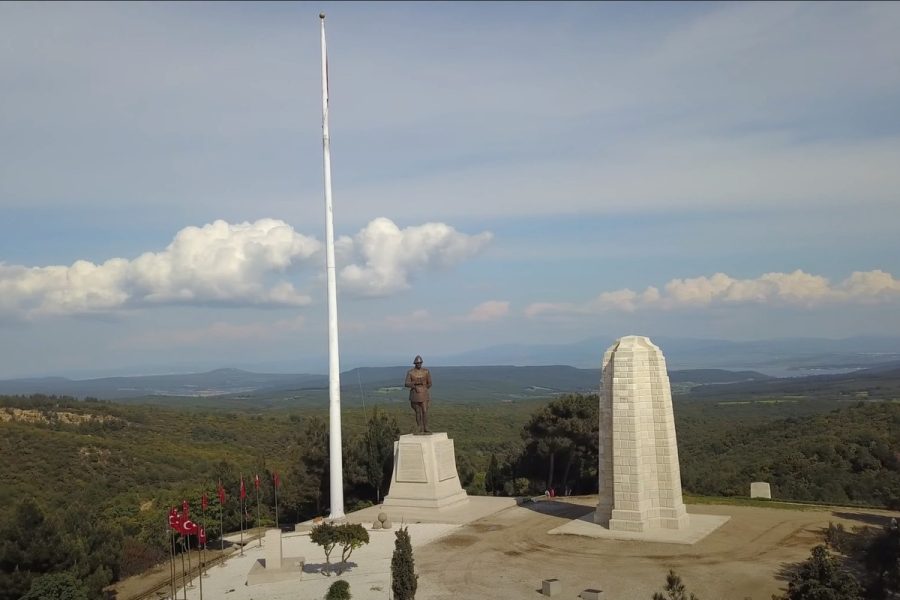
(378, 450)
(821, 577)
(56, 586)
(492, 476)
(339, 590)
(674, 589)
(403, 577)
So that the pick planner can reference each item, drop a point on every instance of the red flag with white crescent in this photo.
(276, 479)
(202, 536)
(188, 527)
(256, 481)
(243, 489)
(221, 494)
(203, 501)
(173, 519)
(185, 508)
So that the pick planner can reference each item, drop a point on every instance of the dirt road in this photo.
(508, 554)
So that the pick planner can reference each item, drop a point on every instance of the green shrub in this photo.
(339, 590)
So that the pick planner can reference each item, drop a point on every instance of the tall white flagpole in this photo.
(334, 368)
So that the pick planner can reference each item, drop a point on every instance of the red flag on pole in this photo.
(188, 527)
(176, 520)
(203, 501)
(203, 536)
(256, 481)
(276, 479)
(185, 508)
(221, 494)
(243, 489)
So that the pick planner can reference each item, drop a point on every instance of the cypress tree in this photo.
(403, 576)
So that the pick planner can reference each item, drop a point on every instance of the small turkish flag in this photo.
(276, 479)
(221, 494)
(189, 527)
(203, 501)
(185, 508)
(243, 489)
(256, 481)
(203, 536)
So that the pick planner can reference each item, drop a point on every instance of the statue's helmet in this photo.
(417, 360)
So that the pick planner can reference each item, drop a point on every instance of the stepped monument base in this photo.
(425, 473)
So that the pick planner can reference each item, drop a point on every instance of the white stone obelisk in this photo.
(334, 367)
(640, 479)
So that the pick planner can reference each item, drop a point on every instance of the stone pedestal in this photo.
(425, 473)
(273, 548)
(640, 480)
(760, 489)
(275, 567)
(551, 587)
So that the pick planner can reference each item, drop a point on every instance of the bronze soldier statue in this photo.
(418, 380)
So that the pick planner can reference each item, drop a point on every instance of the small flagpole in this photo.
(275, 483)
(277, 524)
(258, 523)
(241, 494)
(190, 582)
(200, 565)
(222, 527)
(183, 576)
(172, 562)
(334, 369)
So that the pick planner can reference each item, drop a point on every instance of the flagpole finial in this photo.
(322, 16)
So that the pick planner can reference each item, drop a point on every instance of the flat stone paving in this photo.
(503, 552)
(369, 573)
(699, 526)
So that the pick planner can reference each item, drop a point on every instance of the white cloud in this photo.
(423, 320)
(418, 321)
(219, 263)
(216, 332)
(780, 289)
(389, 257)
(488, 311)
(239, 264)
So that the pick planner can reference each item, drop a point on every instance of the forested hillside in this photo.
(75, 468)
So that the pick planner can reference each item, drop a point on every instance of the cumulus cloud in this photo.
(242, 264)
(219, 263)
(784, 289)
(384, 259)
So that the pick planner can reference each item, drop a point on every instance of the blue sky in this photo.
(509, 172)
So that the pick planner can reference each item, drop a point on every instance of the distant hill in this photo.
(212, 383)
(237, 388)
(780, 357)
(881, 382)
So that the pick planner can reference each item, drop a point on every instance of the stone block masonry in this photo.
(639, 475)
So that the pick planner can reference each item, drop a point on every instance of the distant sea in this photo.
(797, 371)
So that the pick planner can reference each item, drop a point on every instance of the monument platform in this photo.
(425, 473)
(697, 528)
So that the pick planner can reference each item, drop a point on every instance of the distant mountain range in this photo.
(384, 383)
(782, 357)
(692, 362)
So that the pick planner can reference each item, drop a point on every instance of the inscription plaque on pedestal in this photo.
(446, 460)
(411, 464)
